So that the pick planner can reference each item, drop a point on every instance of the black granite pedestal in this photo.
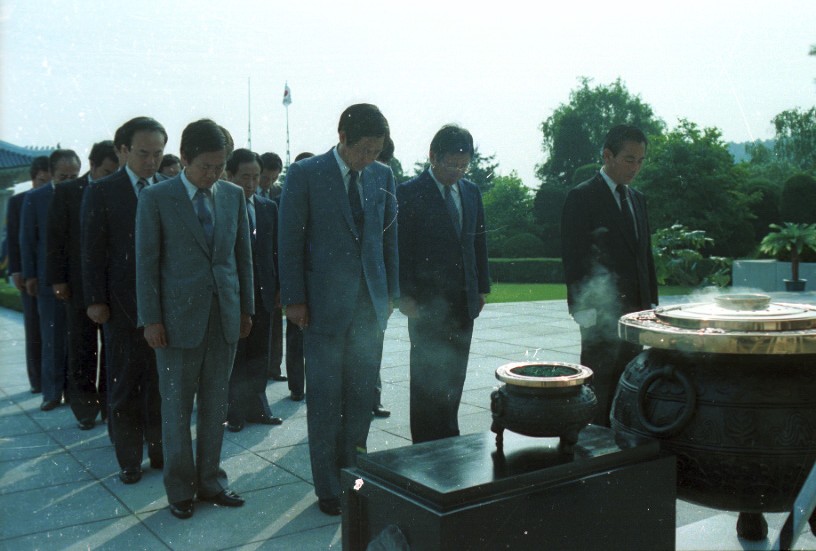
(614, 492)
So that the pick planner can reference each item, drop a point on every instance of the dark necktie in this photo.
(453, 211)
(204, 215)
(251, 217)
(629, 220)
(354, 201)
(140, 185)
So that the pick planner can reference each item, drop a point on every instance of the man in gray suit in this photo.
(195, 299)
(339, 273)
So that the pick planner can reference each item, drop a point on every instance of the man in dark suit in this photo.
(64, 274)
(195, 294)
(268, 188)
(607, 257)
(109, 282)
(339, 273)
(247, 386)
(64, 165)
(40, 175)
(443, 280)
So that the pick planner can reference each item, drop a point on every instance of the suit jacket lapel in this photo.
(337, 190)
(612, 205)
(187, 214)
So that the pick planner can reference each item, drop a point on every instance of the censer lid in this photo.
(730, 324)
(740, 312)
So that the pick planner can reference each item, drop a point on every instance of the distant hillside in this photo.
(739, 152)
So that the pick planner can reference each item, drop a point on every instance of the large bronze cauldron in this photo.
(730, 388)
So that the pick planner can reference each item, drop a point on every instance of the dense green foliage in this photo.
(526, 270)
(508, 208)
(679, 259)
(690, 179)
(798, 199)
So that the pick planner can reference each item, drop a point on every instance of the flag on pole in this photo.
(287, 95)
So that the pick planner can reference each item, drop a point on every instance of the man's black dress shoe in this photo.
(295, 397)
(227, 498)
(380, 411)
(35, 390)
(279, 378)
(266, 420)
(49, 405)
(330, 506)
(182, 509)
(130, 476)
(86, 424)
(235, 427)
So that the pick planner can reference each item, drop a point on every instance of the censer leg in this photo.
(499, 430)
(752, 526)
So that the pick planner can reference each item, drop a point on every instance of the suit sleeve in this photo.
(391, 239)
(13, 234)
(56, 240)
(293, 226)
(575, 245)
(94, 237)
(407, 241)
(28, 238)
(243, 258)
(480, 247)
(148, 257)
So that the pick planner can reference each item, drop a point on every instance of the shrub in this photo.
(522, 245)
(526, 270)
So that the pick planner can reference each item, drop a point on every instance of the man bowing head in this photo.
(195, 299)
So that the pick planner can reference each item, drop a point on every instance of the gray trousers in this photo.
(341, 371)
(184, 373)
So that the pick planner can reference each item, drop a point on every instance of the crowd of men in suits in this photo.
(182, 275)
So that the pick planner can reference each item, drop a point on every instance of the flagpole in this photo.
(249, 117)
(287, 99)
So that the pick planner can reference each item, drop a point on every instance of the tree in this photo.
(508, 211)
(798, 201)
(689, 178)
(790, 239)
(796, 138)
(573, 134)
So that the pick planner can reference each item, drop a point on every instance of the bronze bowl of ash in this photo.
(728, 387)
(543, 399)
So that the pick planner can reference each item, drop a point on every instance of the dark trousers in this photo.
(33, 341)
(53, 331)
(295, 364)
(88, 397)
(607, 356)
(247, 383)
(439, 355)
(276, 346)
(135, 404)
(340, 372)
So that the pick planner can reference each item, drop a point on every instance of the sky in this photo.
(73, 71)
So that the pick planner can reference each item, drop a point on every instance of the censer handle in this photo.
(672, 374)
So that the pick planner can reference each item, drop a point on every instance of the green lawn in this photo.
(523, 292)
(500, 292)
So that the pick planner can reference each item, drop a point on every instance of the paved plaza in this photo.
(59, 487)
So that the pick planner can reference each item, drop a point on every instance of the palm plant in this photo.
(790, 239)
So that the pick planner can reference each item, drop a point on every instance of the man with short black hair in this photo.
(64, 165)
(247, 386)
(607, 256)
(64, 274)
(195, 295)
(443, 280)
(268, 187)
(339, 274)
(40, 175)
(109, 282)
